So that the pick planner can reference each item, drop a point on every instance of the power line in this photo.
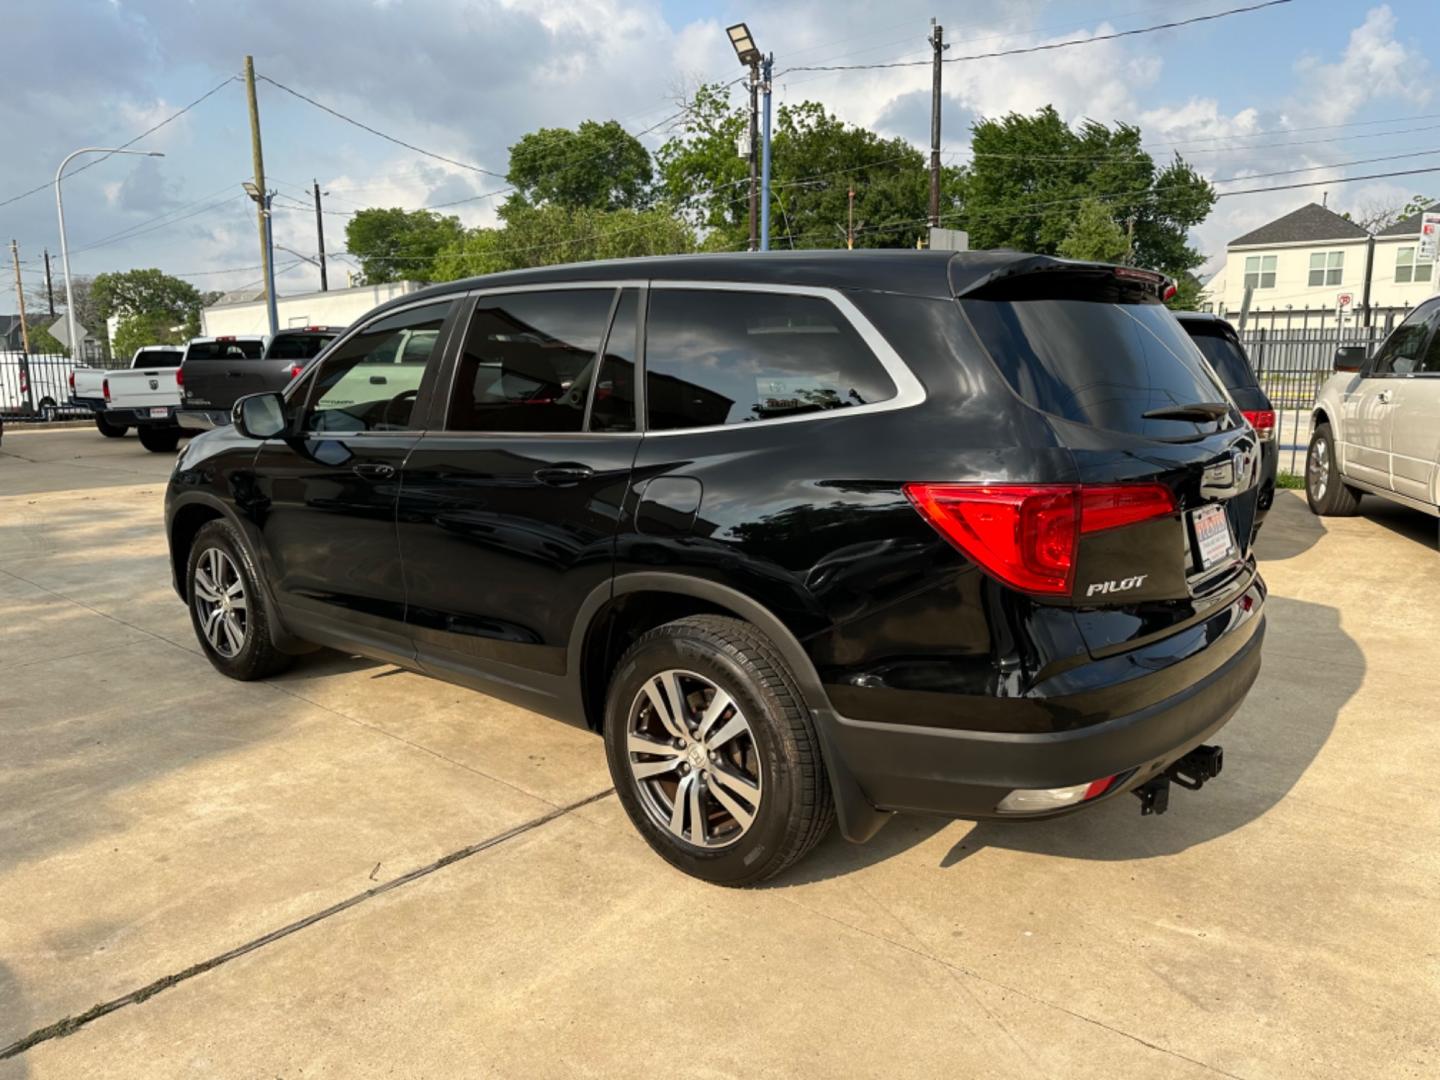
(148, 131)
(1042, 48)
(401, 142)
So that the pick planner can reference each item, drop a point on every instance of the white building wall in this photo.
(1292, 288)
(1384, 283)
(338, 307)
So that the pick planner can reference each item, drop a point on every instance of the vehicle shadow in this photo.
(1278, 732)
(1402, 521)
(1289, 530)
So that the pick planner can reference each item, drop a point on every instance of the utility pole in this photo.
(769, 66)
(24, 330)
(754, 147)
(262, 203)
(49, 289)
(320, 238)
(850, 223)
(937, 43)
(1369, 270)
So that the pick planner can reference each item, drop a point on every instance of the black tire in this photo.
(794, 808)
(109, 430)
(159, 440)
(257, 657)
(48, 410)
(1325, 490)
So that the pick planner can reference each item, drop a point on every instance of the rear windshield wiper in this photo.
(1196, 410)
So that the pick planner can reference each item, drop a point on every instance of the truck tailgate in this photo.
(142, 388)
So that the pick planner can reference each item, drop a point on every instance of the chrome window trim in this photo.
(909, 390)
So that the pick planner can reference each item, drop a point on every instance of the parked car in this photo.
(803, 534)
(1376, 423)
(87, 385)
(1218, 340)
(214, 380)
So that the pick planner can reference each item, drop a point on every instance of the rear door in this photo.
(1169, 472)
(509, 504)
(1414, 408)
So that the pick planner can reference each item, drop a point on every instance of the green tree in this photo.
(150, 293)
(399, 245)
(1031, 174)
(41, 340)
(149, 328)
(1094, 235)
(598, 166)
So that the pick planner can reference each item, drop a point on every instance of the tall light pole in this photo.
(64, 247)
(749, 56)
(263, 199)
(766, 69)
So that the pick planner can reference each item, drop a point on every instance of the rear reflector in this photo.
(1027, 534)
(1039, 800)
(1263, 421)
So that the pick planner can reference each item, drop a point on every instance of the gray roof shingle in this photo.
(1312, 222)
(1409, 226)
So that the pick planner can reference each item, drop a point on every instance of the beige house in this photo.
(1314, 260)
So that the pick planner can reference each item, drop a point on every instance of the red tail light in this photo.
(72, 382)
(105, 389)
(295, 370)
(24, 381)
(1027, 534)
(1263, 421)
(179, 376)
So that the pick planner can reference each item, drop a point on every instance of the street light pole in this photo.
(767, 67)
(749, 56)
(64, 247)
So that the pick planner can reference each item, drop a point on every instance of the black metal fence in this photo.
(36, 386)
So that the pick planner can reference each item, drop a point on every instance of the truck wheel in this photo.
(1325, 491)
(228, 607)
(109, 430)
(713, 752)
(47, 409)
(161, 440)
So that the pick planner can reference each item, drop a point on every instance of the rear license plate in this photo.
(1212, 534)
(159, 414)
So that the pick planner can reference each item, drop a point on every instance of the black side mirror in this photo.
(1350, 357)
(259, 416)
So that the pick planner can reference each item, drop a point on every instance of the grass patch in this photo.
(1291, 481)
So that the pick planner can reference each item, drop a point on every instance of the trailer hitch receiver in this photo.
(1190, 772)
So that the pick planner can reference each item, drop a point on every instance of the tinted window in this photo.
(370, 382)
(1224, 353)
(1403, 351)
(612, 406)
(158, 358)
(528, 361)
(298, 346)
(224, 350)
(717, 357)
(1095, 363)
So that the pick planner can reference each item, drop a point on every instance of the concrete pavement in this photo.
(257, 877)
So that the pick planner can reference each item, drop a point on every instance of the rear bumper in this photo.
(93, 404)
(962, 773)
(141, 417)
(202, 419)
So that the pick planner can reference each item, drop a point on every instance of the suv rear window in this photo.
(297, 346)
(1224, 353)
(714, 356)
(224, 350)
(1101, 364)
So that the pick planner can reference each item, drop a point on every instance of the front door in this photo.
(508, 515)
(326, 494)
(1415, 419)
(1370, 434)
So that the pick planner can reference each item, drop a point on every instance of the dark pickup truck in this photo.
(211, 381)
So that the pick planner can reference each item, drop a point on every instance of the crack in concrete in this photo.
(70, 1024)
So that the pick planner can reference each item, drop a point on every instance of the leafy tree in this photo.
(1032, 173)
(41, 340)
(145, 292)
(149, 328)
(598, 166)
(1094, 235)
(399, 245)
(1187, 293)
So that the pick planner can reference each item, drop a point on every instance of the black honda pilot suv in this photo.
(804, 535)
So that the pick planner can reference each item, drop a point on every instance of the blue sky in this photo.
(466, 79)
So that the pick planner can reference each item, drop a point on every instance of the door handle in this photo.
(1384, 396)
(563, 475)
(373, 470)
(235, 374)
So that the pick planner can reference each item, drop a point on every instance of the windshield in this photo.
(157, 358)
(235, 349)
(1225, 355)
(298, 346)
(1100, 364)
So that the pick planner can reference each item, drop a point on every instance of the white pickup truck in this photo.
(1376, 423)
(87, 385)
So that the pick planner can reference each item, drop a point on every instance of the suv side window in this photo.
(716, 356)
(370, 382)
(1403, 350)
(529, 360)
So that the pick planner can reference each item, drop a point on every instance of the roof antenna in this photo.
(1325, 198)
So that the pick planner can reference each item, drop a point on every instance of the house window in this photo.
(1408, 270)
(1326, 268)
(1260, 271)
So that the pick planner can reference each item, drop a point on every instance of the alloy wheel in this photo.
(694, 759)
(219, 597)
(1319, 469)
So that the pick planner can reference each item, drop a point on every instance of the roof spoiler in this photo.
(1044, 277)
